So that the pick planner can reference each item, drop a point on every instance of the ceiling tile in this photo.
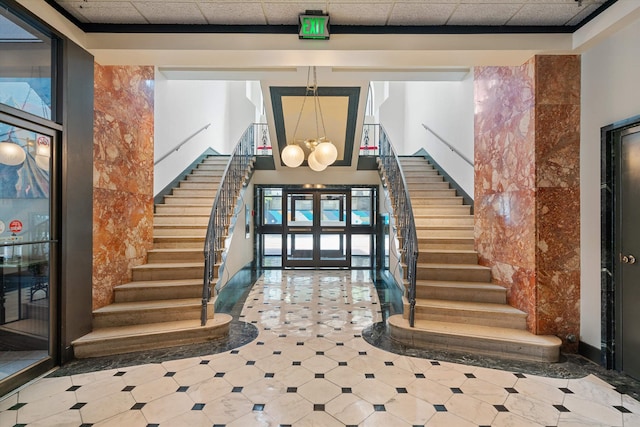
(483, 14)
(229, 13)
(107, 12)
(170, 12)
(359, 13)
(286, 13)
(420, 14)
(547, 14)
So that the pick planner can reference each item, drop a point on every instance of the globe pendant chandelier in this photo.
(323, 152)
(11, 154)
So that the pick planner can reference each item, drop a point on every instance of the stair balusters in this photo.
(403, 212)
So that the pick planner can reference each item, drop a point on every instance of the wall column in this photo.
(527, 188)
(122, 175)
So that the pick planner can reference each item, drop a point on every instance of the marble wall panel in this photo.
(527, 196)
(122, 175)
(504, 202)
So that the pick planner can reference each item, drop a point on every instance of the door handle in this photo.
(628, 259)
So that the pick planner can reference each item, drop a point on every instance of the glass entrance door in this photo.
(321, 227)
(316, 229)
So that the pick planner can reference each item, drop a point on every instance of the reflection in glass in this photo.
(272, 206)
(333, 247)
(300, 246)
(333, 208)
(24, 307)
(25, 66)
(361, 206)
(272, 250)
(24, 247)
(300, 210)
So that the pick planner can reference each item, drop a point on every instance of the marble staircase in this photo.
(161, 306)
(457, 306)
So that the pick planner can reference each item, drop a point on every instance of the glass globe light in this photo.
(11, 154)
(326, 153)
(314, 164)
(292, 155)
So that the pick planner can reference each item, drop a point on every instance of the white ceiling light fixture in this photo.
(11, 154)
(323, 152)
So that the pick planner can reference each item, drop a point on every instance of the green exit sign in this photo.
(314, 26)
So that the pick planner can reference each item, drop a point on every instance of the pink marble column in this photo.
(122, 175)
(527, 187)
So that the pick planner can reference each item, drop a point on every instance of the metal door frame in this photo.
(610, 178)
(316, 229)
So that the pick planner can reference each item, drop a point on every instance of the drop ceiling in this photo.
(391, 16)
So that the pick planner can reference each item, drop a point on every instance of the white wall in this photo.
(610, 93)
(184, 106)
(391, 113)
(239, 246)
(447, 107)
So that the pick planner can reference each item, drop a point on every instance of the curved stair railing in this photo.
(236, 176)
(392, 172)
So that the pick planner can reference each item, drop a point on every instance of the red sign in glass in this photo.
(15, 226)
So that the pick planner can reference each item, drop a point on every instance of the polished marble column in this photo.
(122, 175)
(527, 188)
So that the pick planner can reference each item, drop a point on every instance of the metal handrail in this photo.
(403, 212)
(451, 147)
(180, 144)
(235, 176)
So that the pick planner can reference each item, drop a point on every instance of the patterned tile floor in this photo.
(310, 366)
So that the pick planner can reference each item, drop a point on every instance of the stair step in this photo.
(175, 255)
(427, 186)
(442, 209)
(448, 220)
(423, 176)
(180, 199)
(199, 185)
(168, 271)
(427, 201)
(441, 191)
(152, 290)
(469, 312)
(179, 230)
(140, 312)
(173, 242)
(170, 218)
(196, 193)
(445, 231)
(455, 272)
(418, 172)
(184, 209)
(202, 177)
(461, 291)
(448, 256)
(435, 242)
(126, 339)
(490, 341)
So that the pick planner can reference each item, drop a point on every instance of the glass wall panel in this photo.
(24, 247)
(272, 250)
(333, 247)
(361, 255)
(333, 210)
(300, 210)
(300, 247)
(272, 206)
(25, 67)
(361, 206)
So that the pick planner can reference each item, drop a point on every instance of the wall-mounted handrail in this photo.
(180, 144)
(403, 212)
(451, 147)
(234, 178)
